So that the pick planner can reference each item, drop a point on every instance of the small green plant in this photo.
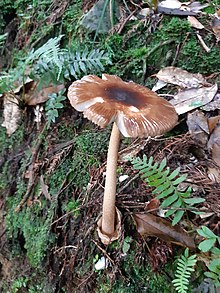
(167, 182)
(49, 51)
(51, 63)
(185, 266)
(209, 245)
(126, 244)
(53, 104)
(74, 207)
(19, 284)
(70, 63)
(214, 270)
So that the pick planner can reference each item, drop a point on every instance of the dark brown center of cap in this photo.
(123, 95)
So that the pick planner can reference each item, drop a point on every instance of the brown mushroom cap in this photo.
(137, 111)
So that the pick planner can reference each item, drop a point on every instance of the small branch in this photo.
(103, 251)
(205, 47)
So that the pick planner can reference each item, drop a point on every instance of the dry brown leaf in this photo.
(198, 127)
(216, 27)
(214, 144)
(38, 97)
(193, 98)
(213, 105)
(132, 150)
(175, 7)
(212, 121)
(44, 188)
(194, 6)
(194, 22)
(153, 204)
(28, 83)
(214, 174)
(181, 77)
(11, 113)
(150, 225)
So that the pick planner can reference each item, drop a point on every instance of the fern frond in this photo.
(49, 51)
(71, 64)
(166, 185)
(185, 266)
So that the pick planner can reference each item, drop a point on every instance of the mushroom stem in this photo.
(108, 216)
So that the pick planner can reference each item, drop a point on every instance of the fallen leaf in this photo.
(181, 77)
(190, 99)
(195, 6)
(145, 12)
(216, 27)
(213, 105)
(214, 174)
(38, 97)
(44, 188)
(212, 121)
(91, 20)
(214, 144)
(194, 22)
(150, 225)
(173, 4)
(159, 85)
(11, 113)
(153, 204)
(174, 7)
(132, 150)
(198, 127)
(27, 84)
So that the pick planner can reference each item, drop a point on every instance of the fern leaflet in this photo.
(185, 266)
(166, 185)
(71, 64)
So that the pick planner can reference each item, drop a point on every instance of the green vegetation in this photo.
(138, 277)
(209, 244)
(53, 104)
(185, 267)
(46, 41)
(167, 187)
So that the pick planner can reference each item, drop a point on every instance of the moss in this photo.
(28, 230)
(195, 59)
(160, 48)
(71, 17)
(9, 146)
(136, 278)
(7, 143)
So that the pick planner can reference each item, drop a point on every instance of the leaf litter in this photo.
(192, 92)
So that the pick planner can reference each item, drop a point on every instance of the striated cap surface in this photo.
(137, 111)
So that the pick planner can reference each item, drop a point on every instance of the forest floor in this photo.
(53, 165)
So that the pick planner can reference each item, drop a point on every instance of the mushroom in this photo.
(136, 112)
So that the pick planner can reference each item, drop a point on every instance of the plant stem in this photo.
(108, 216)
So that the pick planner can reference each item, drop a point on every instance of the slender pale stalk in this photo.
(108, 216)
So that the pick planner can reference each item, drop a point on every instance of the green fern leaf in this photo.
(166, 184)
(185, 266)
(68, 64)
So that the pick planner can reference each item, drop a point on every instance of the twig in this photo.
(128, 183)
(103, 251)
(125, 21)
(63, 216)
(205, 47)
